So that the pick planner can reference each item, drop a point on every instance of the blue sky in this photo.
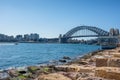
(49, 18)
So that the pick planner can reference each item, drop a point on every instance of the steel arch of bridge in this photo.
(98, 31)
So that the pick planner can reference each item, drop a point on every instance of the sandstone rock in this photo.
(13, 73)
(93, 78)
(53, 76)
(67, 68)
(114, 62)
(4, 76)
(108, 62)
(86, 69)
(119, 51)
(92, 60)
(72, 75)
(82, 78)
(111, 51)
(100, 62)
(116, 55)
(108, 73)
(75, 68)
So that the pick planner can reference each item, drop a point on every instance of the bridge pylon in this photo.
(62, 39)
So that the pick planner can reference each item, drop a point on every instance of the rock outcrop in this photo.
(108, 73)
(52, 76)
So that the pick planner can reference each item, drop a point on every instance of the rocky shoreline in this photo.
(97, 65)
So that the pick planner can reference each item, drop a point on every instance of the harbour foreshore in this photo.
(97, 65)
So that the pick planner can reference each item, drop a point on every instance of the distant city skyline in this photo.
(49, 18)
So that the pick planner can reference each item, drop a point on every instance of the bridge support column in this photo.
(62, 39)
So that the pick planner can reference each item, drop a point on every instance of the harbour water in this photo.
(26, 54)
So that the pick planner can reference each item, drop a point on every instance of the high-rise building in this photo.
(26, 37)
(19, 37)
(34, 37)
(116, 32)
(6, 38)
(112, 32)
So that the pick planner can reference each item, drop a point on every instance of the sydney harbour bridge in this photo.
(88, 31)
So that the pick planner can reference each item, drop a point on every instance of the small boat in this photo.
(108, 43)
(16, 43)
(108, 46)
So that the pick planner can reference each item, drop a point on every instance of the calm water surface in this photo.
(25, 54)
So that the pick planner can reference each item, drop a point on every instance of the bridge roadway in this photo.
(92, 36)
(86, 36)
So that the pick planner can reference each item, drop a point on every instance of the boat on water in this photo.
(16, 43)
(108, 46)
(108, 43)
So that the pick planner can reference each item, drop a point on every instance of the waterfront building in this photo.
(19, 37)
(34, 37)
(6, 38)
(11, 39)
(26, 37)
(114, 32)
